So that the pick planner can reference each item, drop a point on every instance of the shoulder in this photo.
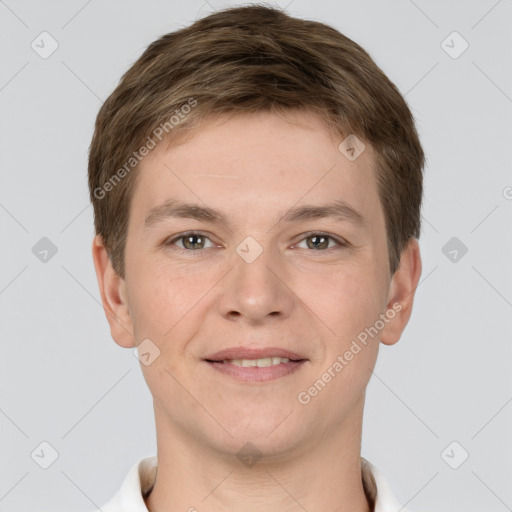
(137, 483)
(379, 490)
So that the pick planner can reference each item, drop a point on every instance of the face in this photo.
(230, 257)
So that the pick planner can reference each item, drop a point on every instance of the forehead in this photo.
(256, 162)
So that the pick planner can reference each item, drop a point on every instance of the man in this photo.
(257, 184)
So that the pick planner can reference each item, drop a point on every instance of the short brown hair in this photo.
(248, 59)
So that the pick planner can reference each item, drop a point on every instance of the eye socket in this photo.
(188, 238)
(194, 237)
(322, 242)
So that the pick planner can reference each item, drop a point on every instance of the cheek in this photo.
(166, 302)
(156, 300)
(350, 306)
(344, 300)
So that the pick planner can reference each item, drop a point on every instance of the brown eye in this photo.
(321, 241)
(190, 241)
(318, 242)
(193, 241)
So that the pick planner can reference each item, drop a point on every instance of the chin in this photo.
(260, 447)
(272, 432)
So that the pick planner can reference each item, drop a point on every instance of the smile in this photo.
(264, 362)
(257, 370)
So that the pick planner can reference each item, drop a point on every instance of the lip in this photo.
(254, 374)
(253, 353)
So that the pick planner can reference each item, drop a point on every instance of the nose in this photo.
(256, 291)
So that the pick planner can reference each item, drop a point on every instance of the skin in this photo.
(252, 167)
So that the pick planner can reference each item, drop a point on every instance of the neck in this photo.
(326, 474)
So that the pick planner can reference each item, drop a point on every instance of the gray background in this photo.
(64, 380)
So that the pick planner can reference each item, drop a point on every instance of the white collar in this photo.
(142, 475)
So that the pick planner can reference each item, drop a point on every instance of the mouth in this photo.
(256, 365)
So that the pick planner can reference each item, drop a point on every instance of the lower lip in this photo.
(255, 373)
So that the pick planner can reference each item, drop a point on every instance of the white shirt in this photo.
(142, 476)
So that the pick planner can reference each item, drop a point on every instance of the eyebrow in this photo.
(338, 209)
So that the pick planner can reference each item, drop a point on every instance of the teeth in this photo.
(260, 363)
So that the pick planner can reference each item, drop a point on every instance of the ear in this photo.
(113, 296)
(401, 292)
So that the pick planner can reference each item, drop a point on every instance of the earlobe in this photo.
(401, 293)
(113, 296)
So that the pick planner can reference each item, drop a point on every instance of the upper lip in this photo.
(253, 353)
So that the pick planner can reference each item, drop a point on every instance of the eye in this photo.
(320, 241)
(191, 241)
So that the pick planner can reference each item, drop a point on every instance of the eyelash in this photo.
(170, 242)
